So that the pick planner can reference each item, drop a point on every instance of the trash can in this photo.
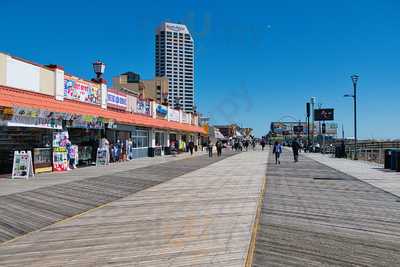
(394, 159)
(151, 152)
(388, 158)
(396, 166)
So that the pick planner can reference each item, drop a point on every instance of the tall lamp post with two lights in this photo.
(354, 79)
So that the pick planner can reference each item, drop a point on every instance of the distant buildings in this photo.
(130, 83)
(174, 51)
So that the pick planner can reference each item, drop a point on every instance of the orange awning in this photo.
(10, 97)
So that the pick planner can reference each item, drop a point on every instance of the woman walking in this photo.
(277, 151)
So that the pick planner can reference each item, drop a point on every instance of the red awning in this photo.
(10, 97)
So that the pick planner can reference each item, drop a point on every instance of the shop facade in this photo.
(34, 108)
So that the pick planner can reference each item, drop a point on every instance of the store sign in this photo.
(102, 157)
(161, 111)
(173, 115)
(34, 122)
(186, 117)
(143, 107)
(117, 100)
(82, 91)
(87, 122)
(22, 165)
(60, 159)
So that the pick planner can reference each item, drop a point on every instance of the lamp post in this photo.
(98, 68)
(354, 79)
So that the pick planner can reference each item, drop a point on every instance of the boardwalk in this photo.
(316, 216)
(34, 209)
(204, 217)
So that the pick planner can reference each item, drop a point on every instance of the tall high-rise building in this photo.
(175, 60)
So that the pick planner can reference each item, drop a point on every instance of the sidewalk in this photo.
(369, 172)
(12, 186)
(202, 218)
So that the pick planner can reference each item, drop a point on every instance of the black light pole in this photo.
(354, 79)
(308, 124)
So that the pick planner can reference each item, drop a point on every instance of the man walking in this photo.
(277, 150)
(191, 147)
(295, 148)
(219, 148)
(210, 149)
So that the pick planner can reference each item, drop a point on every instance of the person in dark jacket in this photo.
(295, 148)
(191, 147)
(219, 148)
(277, 150)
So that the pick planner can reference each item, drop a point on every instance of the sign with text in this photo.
(324, 114)
(81, 90)
(116, 99)
(22, 165)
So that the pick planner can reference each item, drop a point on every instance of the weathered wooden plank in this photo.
(314, 215)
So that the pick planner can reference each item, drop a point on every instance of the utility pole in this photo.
(308, 124)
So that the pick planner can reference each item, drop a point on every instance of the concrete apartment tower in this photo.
(175, 60)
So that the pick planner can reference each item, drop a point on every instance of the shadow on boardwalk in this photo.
(314, 215)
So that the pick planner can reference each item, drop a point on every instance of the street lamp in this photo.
(354, 79)
(99, 68)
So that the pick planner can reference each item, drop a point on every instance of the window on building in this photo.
(140, 138)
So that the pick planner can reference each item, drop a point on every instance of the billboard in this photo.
(116, 99)
(81, 90)
(324, 114)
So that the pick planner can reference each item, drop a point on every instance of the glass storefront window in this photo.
(160, 139)
(140, 138)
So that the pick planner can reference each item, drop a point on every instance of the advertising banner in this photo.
(324, 114)
(161, 111)
(60, 159)
(186, 117)
(80, 90)
(143, 107)
(173, 114)
(22, 165)
(116, 99)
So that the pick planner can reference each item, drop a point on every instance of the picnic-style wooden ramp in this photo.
(21, 213)
(316, 216)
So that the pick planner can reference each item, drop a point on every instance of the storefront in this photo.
(27, 130)
(161, 146)
(86, 133)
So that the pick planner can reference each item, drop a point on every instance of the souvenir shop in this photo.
(26, 129)
(86, 133)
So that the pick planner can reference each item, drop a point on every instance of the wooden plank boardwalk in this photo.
(314, 215)
(202, 218)
(21, 213)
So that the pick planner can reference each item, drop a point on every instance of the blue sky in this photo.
(256, 61)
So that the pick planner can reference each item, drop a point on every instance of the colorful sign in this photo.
(116, 99)
(22, 165)
(102, 157)
(324, 114)
(161, 111)
(80, 90)
(143, 107)
(60, 159)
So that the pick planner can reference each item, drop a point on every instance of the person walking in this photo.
(262, 144)
(210, 149)
(219, 148)
(191, 147)
(295, 148)
(277, 150)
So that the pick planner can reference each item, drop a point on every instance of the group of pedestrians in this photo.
(277, 151)
(218, 146)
